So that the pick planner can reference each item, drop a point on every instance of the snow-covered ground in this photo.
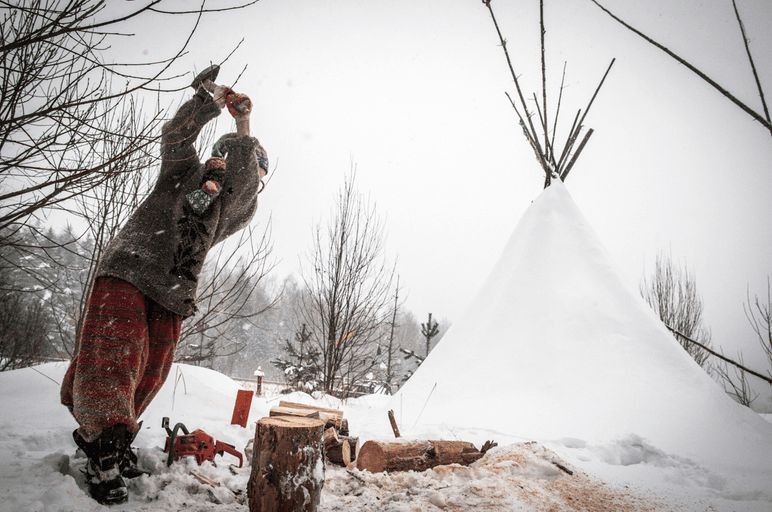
(622, 475)
(555, 360)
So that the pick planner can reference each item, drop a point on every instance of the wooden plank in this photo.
(335, 415)
(290, 411)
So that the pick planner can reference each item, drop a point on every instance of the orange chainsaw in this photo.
(197, 443)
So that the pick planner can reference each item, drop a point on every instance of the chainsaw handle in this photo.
(173, 439)
(221, 447)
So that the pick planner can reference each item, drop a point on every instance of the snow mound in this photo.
(556, 346)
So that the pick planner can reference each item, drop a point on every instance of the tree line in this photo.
(338, 328)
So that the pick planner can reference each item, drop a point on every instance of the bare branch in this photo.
(755, 115)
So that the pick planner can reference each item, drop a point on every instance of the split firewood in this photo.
(393, 422)
(343, 428)
(290, 411)
(340, 450)
(353, 446)
(415, 455)
(331, 416)
(337, 451)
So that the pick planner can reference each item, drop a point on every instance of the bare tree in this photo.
(389, 360)
(58, 103)
(737, 386)
(23, 330)
(672, 293)
(759, 314)
(349, 281)
(24, 320)
(230, 281)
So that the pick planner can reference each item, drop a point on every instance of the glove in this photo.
(239, 105)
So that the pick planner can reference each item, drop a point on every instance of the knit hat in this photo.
(215, 163)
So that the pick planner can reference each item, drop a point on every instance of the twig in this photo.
(750, 59)
(720, 356)
(424, 407)
(557, 110)
(44, 375)
(356, 477)
(755, 115)
(576, 154)
(544, 80)
(534, 140)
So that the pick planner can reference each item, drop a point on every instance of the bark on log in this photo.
(287, 467)
(415, 455)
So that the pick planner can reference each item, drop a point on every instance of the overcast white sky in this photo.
(412, 91)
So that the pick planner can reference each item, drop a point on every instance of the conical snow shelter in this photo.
(557, 347)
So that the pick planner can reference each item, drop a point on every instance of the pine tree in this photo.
(429, 330)
(301, 368)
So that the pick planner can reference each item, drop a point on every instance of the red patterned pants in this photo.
(126, 351)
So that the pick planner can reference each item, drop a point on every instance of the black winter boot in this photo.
(129, 468)
(103, 469)
(128, 463)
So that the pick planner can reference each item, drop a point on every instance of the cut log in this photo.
(340, 450)
(343, 427)
(287, 466)
(353, 443)
(329, 415)
(415, 455)
(291, 411)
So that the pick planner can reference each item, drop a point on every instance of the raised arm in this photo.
(179, 134)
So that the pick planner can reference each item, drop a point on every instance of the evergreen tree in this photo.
(429, 330)
(302, 368)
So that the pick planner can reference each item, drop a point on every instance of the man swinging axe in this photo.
(147, 278)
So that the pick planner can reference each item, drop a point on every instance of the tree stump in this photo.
(415, 455)
(287, 465)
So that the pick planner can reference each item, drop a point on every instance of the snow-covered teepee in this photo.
(557, 346)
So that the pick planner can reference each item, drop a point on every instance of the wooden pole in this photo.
(393, 422)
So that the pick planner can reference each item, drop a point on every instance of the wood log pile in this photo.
(293, 443)
(340, 448)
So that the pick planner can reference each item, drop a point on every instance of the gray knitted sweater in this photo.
(162, 247)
